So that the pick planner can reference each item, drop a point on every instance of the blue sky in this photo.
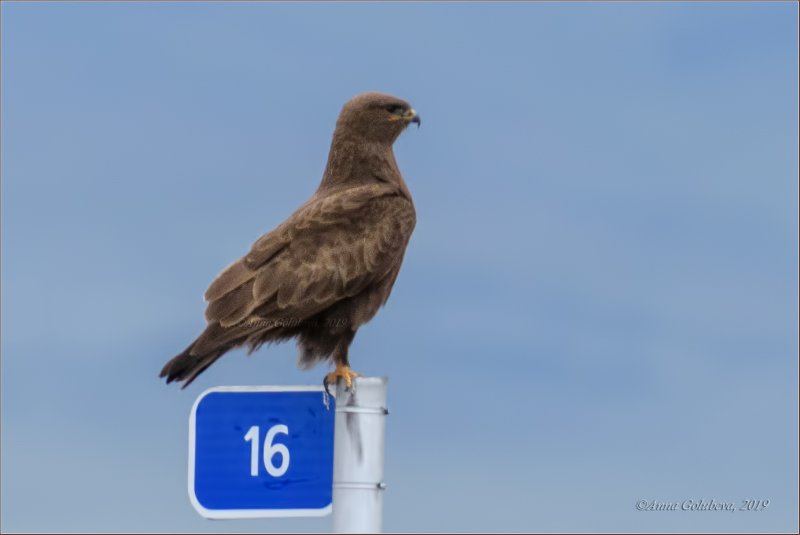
(598, 305)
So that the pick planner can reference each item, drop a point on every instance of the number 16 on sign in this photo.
(261, 452)
(269, 450)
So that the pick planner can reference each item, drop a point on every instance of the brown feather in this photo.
(231, 278)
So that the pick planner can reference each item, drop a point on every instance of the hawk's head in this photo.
(376, 117)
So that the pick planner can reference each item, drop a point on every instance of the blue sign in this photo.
(261, 451)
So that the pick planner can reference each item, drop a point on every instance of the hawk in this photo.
(328, 268)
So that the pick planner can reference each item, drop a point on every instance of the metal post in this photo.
(358, 446)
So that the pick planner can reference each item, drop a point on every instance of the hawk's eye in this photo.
(395, 109)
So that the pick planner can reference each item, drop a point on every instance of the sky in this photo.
(598, 305)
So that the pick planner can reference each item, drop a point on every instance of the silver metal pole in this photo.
(358, 444)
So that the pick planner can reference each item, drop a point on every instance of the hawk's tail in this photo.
(202, 353)
(186, 367)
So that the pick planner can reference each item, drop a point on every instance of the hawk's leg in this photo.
(342, 370)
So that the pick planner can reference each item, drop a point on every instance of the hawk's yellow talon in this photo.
(343, 372)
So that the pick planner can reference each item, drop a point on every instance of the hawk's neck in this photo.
(357, 163)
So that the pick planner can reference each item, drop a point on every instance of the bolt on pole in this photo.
(358, 454)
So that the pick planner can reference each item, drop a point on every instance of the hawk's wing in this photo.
(329, 249)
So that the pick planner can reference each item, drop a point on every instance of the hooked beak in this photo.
(412, 117)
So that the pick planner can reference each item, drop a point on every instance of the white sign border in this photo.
(221, 514)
